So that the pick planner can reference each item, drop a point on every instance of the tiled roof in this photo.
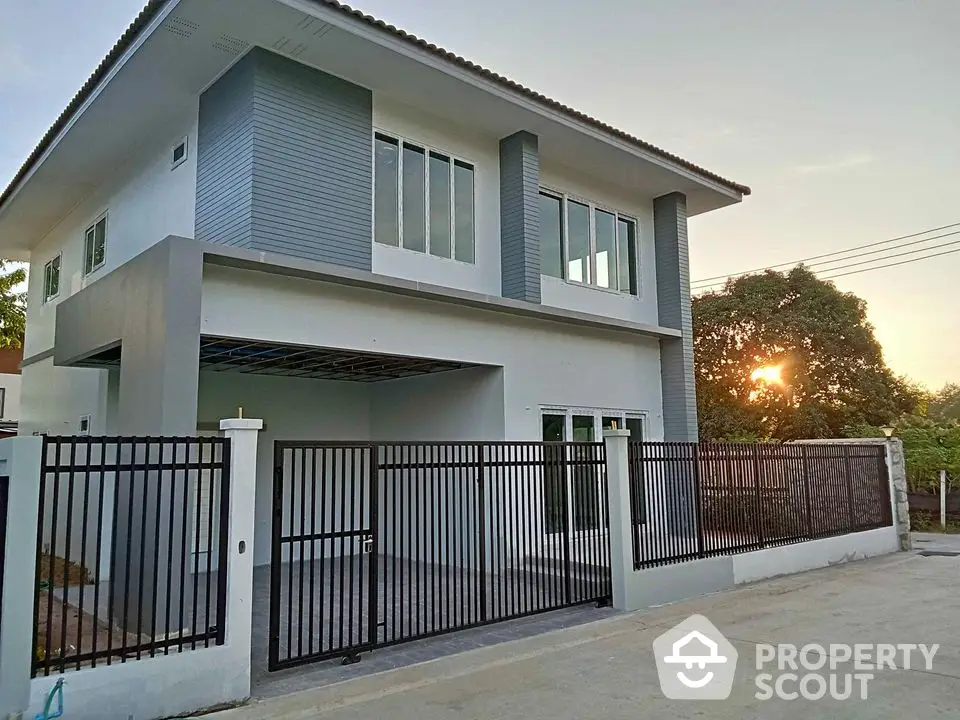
(153, 7)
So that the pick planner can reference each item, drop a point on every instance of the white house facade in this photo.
(293, 209)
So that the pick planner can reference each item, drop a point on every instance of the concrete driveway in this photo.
(607, 670)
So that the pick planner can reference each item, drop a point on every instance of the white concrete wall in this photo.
(458, 405)
(409, 123)
(54, 398)
(145, 202)
(825, 552)
(292, 409)
(10, 382)
(544, 363)
(585, 298)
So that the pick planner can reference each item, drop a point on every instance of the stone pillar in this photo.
(20, 463)
(242, 435)
(621, 522)
(898, 491)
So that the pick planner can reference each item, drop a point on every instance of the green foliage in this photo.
(944, 406)
(12, 306)
(832, 364)
(928, 448)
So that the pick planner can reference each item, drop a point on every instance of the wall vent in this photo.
(231, 45)
(181, 26)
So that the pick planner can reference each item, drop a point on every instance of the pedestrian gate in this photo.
(375, 544)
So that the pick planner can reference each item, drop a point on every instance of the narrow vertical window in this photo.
(554, 473)
(627, 251)
(51, 279)
(414, 199)
(464, 211)
(605, 233)
(386, 193)
(440, 244)
(578, 241)
(551, 235)
(95, 246)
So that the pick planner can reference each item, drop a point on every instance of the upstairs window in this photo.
(95, 246)
(423, 200)
(588, 244)
(51, 279)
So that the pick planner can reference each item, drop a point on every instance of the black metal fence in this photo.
(692, 501)
(381, 543)
(131, 549)
(4, 496)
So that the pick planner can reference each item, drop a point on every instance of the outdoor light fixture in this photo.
(887, 431)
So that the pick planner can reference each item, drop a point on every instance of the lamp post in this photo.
(887, 431)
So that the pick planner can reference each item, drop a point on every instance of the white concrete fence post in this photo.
(621, 523)
(20, 461)
(242, 434)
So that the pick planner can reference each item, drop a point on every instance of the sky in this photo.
(843, 117)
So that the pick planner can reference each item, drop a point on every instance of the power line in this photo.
(902, 262)
(814, 266)
(880, 267)
(872, 260)
(831, 254)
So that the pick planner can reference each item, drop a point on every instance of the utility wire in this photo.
(902, 262)
(832, 254)
(872, 260)
(876, 267)
(814, 266)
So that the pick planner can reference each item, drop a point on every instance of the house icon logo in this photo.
(695, 661)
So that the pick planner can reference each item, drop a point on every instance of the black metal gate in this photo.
(375, 544)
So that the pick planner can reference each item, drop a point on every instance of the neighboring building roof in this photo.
(153, 7)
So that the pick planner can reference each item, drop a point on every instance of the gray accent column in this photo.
(520, 217)
(148, 310)
(673, 302)
(285, 164)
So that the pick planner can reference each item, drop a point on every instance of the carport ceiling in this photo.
(264, 358)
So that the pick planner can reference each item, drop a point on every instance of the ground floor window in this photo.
(572, 493)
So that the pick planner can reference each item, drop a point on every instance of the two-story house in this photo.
(291, 207)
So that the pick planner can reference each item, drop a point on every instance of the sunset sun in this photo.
(768, 374)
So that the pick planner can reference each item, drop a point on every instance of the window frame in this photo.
(49, 264)
(565, 199)
(102, 217)
(598, 414)
(428, 151)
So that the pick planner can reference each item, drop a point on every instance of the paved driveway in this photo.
(606, 669)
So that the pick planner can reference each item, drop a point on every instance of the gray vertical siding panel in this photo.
(313, 166)
(225, 158)
(285, 162)
(673, 301)
(520, 217)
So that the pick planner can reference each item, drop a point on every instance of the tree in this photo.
(12, 306)
(944, 406)
(928, 448)
(826, 367)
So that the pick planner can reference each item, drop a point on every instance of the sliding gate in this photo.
(380, 543)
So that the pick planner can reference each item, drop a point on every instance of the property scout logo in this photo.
(696, 662)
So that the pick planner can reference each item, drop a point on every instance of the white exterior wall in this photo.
(146, 202)
(412, 124)
(584, 298)
(544, 363)
(10, 382)
(54, 398)
(292, 409)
